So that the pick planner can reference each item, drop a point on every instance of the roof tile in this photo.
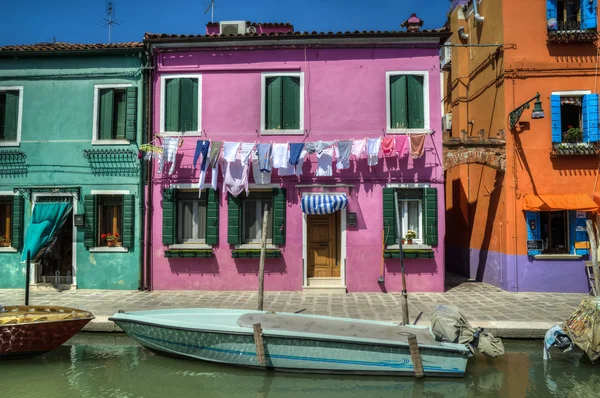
(61, 46)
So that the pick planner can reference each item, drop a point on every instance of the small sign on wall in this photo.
(535, 245)
(351, 219)
(581, 214)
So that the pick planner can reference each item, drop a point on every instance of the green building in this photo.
(71, 122)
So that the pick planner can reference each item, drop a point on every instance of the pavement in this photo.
(507, 315)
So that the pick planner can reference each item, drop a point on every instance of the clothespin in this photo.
(180, 142)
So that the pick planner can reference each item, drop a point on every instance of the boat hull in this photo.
(292, 354)
(26, 340)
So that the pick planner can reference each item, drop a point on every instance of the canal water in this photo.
(92, 365)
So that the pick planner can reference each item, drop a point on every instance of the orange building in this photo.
(521, 168)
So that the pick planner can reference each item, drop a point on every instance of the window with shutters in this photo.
(253, 207)
(418, 212)
(574, 117)
(115, 114)
(181, 104)
(191, 217)
(558, 232)
(6, 221)
(282, 103)
(407, 102)
(571, 21)
(110, 220)
(11, 103)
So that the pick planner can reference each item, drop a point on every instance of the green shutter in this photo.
(172, 105)
(234, 218)
(130, 128)
(119, 112)
(186, 104)
(279, 209)
(169, 208)
(128, 229)
(291, 102)
(398, 104)
(10, 119)
(90, 231)
(105, 126)
(17, 222)
(389, 216)
(430, 215)
(194, 124)
(273, 103)
(416, 109)
(212, 217)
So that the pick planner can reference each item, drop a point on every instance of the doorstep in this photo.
(331, 285)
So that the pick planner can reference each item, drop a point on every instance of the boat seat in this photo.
(272, 322)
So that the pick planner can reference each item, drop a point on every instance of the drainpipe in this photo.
(149, 209)
(142, 276)
(461, 32)
(478, 17)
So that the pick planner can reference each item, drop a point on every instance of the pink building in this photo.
(264, 83)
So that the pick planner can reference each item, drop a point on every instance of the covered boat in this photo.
(294, 342)
(28, 331)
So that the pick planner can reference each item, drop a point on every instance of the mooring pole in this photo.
(401, 255)
(261, 269)
(27, 275)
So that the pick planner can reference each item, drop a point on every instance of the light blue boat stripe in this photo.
(385, 364)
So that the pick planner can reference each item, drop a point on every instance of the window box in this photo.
(409, 253)
(568, 149)
(570, 21)
(189, 253)
(255, 253)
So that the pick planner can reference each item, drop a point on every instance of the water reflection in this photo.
(115, 366)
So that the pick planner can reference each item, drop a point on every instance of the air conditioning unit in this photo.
(445, 55)
(232, 27)
(447, 121)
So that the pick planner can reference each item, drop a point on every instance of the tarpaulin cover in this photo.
(579, 202)
(583, 327)
(323, 204)
(47, 218)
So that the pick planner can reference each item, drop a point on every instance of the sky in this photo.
(80, 21)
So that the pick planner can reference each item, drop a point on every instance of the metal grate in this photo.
(113, 162)
(12, 163)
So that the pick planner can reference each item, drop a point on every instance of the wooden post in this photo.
(596, 244)
(259, 343)
(261, 269)
(27, 277)
(415, 355)
(405, 317)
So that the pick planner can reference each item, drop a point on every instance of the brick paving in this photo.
(480, 302)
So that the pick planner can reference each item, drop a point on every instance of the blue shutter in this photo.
(588, 14)
(551, 15)
(590, 118)
(533, 217)
(556, 123)
(579, 241)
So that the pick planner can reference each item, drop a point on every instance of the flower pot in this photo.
(3, 244)
(409, 241)
(119, 243)
(110, 243)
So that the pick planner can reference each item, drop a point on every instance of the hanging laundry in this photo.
(342, 154)
(320, 146)
(301, 162)
(264, 157)
(235, 179)
(246, 151)
(401, 142)
(214, 153)
(359, 147)
(310, 147)
(387, 146)
(295, 151)
(170, 146)
(373, 146)
(417, 145)
(230, 150)
(259, 176)
(324, 160)
(289, 170)
(201, 150)
(281, 156)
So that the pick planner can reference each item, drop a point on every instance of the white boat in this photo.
(292, 342)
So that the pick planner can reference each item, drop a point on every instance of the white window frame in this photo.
(263, 104)
(404, 210)
(576, 93)
(426, 112)
(163, 85)
(108, 192)
(20, 117)
(8, 249)
(196, 207)
(95, 139)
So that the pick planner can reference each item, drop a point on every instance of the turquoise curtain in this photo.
(47, 218)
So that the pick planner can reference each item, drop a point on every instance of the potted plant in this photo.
(410, 235)
(572, 135)
(118, 241)
(3, 241)
(111, 239)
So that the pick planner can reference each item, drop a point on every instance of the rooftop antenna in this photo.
(110, 20)
(211, 7)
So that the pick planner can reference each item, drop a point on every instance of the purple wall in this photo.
(344, 98)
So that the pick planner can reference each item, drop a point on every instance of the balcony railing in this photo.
(571, 31)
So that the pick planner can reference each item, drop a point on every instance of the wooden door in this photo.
(322, 247)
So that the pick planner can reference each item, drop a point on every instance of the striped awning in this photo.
(570, 101)
(323, 204)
